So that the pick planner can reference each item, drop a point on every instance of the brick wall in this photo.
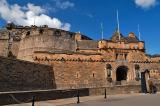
(76, 70)
(16, 75)
(79, 74)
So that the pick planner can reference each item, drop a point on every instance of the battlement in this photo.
(22, 41)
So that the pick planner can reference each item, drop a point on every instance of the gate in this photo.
(143, 83)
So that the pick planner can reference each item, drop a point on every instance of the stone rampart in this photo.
(16, 75)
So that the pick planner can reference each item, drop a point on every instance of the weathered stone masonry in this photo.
(76, 60)
(17, 75)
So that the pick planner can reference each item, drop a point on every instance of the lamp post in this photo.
(105, 94)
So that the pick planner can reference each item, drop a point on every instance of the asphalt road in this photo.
(130, 100)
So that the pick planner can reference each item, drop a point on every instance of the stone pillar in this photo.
(147, 78)
(128, 76)
(114, 75)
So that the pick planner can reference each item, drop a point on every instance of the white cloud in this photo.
(146, 4)
(35, 9)
(90, 15)
(56, 5)
(61, 4)
(25, 15)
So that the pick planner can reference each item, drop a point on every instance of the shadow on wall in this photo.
(17, 75)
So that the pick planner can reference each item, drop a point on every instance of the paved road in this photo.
(136, 100)
(114, 100)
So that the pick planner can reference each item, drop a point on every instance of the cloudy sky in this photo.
(87, 15)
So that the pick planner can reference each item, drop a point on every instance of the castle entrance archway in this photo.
(121, 73)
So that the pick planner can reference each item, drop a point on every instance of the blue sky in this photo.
(86, 15)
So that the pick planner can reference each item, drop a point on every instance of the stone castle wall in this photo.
(16, 75)
(4, 38)
(3, 47)
(79, 74)
(86, 70)
(15, 48)
(76, 60)
(75, 70)
(44, 43)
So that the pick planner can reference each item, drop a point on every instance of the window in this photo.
(137, 67)
(57, 33)
(127, 46)
(28, 33)
(77, 75)
(93, 75)
(41, 31)
(125, 56)
(136, 46)
(116, 56)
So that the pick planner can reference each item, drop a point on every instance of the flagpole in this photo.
(102, 31)
(118, 25)
(34, 20)
(139, 33)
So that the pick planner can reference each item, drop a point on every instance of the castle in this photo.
(78, 61)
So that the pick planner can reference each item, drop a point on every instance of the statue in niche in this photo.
(109, 72)
(137, 71)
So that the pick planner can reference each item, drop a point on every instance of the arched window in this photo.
(137, 67)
